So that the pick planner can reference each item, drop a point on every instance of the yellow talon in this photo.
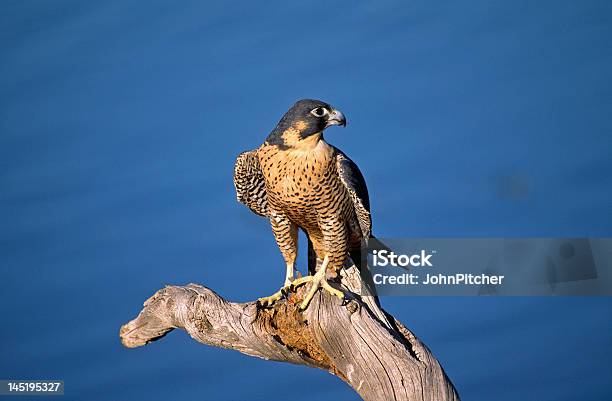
(318, 281)
(300, 281)
(325, 285)
(269, 301)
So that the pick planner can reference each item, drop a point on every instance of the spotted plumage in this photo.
(298, 180)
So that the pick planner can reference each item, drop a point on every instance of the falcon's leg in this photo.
(286, 235)
(289, 274)
(318, 281)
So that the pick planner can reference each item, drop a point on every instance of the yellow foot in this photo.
(318, 281)
(269, 301)
(300, 281)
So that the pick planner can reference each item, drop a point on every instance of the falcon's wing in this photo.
(354, 182)
(249, 183)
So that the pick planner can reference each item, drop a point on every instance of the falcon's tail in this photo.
(312, 258)
(368, 289)
(359, 258)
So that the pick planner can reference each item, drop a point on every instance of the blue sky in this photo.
(120, 122)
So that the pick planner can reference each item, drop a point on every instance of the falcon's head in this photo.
(305, 120)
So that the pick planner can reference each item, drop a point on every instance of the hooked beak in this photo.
(336, 118)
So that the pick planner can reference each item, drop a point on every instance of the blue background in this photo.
(120, 122)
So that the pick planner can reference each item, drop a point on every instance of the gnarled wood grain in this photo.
(354, 340)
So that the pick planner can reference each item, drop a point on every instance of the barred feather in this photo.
(353, 181)
(249, 183)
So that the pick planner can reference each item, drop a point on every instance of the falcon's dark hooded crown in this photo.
(306, 117)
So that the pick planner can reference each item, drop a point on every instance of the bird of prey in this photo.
(298, 180)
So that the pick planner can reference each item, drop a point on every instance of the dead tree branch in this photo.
(354, 340)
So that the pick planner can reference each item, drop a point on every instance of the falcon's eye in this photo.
(319, 112)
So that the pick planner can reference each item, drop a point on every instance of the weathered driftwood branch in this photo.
(354, 340)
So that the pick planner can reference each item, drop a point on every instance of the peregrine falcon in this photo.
(298, 180)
